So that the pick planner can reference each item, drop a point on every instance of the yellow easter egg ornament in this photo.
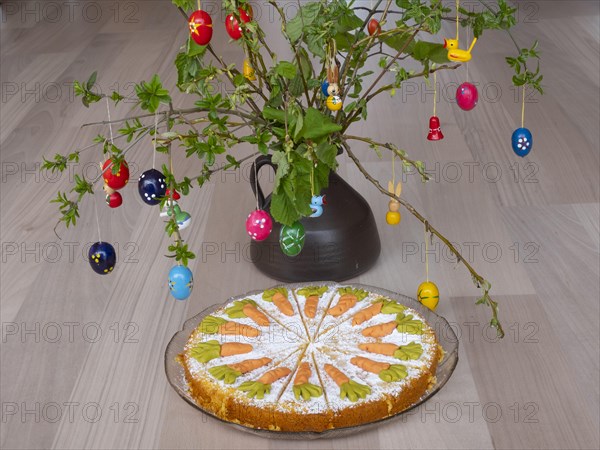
(334, 103)
(428, 295)
(392, 217)
(249, 70)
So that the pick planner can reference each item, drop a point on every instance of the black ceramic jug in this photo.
(340, 244)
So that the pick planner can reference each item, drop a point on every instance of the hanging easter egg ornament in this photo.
(259, 225)
(373, 27)
(119, 178)
(248, 70)
(181, 282)
(152, 186)
(232, 25)
(102, 257)
(291, 239)
(428, 295)
(334, 103)
(467, 96)
(316, 205)
(201, 28)
(392, 217)
(114, 200)
(522, 141)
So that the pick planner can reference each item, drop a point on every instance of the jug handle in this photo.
(261, 161)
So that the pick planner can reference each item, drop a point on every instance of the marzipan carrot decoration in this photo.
(413, 350)
(248, 365)
(336, 374)
(349, 389)
(380, 330)
(214, 325)
(387, 372)
(312, 294)
(348, 298)
(369, 365)
(274, 374)
(365, 314)
(279, 297)
(302, 388)
(302, 374)
(234, 348)
(380, 348)
(262, 386)
(247, 308)
(230, 372)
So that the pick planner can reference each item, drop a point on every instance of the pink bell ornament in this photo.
(435, 132)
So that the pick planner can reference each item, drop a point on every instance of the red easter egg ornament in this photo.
(233, 26)
(259, 225)
(201, 28)
(467, 96)
(117, 180)
(114, 200)
(373, 27)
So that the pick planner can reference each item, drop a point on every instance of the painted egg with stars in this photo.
(181, 282)
(291, 239)
(259, 225)
(152, 186)
(102, 257)
(522, 141)
(201, 28)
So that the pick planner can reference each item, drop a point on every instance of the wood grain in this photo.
(82, 355)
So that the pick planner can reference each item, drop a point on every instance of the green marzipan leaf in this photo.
(306, 391)
(236, 311)
(206, 351)
(268, 294)
(225, 373)
(391, 307)
(255, 389)
(409, 351)
(353, 391)
(396, 372)
(406, 324)
(358, 293)
(312, 290)
(211, 324)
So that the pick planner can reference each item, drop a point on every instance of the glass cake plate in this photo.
(445, 335)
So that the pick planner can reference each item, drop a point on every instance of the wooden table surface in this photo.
(82, 355)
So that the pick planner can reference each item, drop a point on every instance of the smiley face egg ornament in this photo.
(152, 186)
(113, 178)
(428, 295)
(181, 282)
(102, 257)
(201, 28)
(522, 141)
(291, 239)
(334, 103)
(467, 96)
(259, 225)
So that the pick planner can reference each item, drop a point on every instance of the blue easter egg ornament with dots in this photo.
(522, 141)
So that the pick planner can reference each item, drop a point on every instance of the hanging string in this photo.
(434, 90)
(256, 184)
(312, 180)
(199, 5)
(154, 140)
(426, 254)
(523, 109)
(468, 40)
(97, 219)
(457, 6)
(109, 121)
(393, 169)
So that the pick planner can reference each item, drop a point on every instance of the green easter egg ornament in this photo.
(291, 239)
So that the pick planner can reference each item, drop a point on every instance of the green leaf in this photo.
(274, 114)
(91, 81)
(286, 69)
(317, 125)
(194, 49)
(283, 207)
(327, 153)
